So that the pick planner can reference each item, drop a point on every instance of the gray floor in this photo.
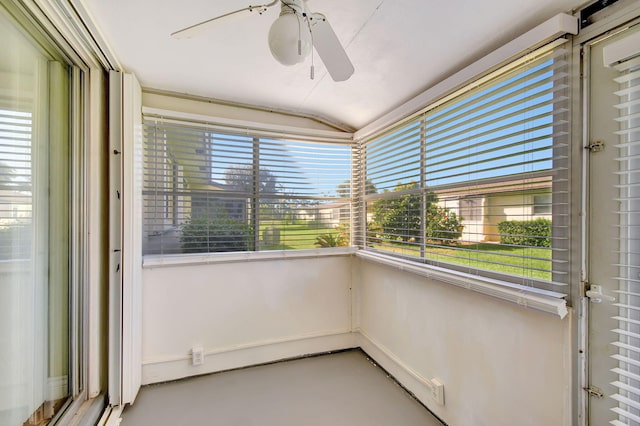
(337, 389)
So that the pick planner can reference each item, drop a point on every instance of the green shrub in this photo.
(330, 240)
(530, 233)
(215, 234)
(400, 218)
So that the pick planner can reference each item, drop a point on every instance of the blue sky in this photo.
(505, 129)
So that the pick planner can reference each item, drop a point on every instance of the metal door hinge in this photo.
(594, 391)
(595, 146)
(596, 295)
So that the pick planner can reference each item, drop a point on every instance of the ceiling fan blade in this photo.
(330, 50)
(203, 26)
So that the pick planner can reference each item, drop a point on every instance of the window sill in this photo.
(154, 261)
(528, 297)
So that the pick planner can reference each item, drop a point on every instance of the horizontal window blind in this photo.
(627, 335)
(15, 184)
(479, 183)
(211, 190)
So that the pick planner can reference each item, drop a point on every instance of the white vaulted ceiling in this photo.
(399, 48)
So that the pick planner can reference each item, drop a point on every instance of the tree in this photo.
(6, 174)
(240, 179)
(400, 218)
(442, 225)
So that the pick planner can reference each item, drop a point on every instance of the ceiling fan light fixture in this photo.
(289, 39)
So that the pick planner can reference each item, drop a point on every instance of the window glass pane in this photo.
(34, 231)
(304, 201)
(210, 191)
(393, 160)
(483, 185)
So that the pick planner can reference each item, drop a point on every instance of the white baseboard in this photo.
(178, 367)
(162, 370)
(422, 388)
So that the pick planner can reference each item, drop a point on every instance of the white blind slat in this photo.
(16, 200)
(627, 336)
(626, 401)
(625, 414)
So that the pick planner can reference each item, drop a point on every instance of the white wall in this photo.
(501, 364)
(243, 313)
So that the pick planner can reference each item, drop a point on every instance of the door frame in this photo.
(613, 20)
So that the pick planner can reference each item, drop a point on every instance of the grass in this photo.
(528, 262)
(520, 261)
(294, 236)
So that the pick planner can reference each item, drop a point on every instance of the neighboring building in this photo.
(15, 207)
(484, 206)
(326, 215)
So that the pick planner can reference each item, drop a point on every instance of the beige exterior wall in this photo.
(493, 209)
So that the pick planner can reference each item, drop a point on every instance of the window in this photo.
(471, 209)
(478, 181)
(40, 338)
(542, 204)
(208, 189)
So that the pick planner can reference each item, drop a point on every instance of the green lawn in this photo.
(292, 236)
(527, 262)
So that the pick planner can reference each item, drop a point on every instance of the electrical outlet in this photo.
(437, 391)
(197, 355)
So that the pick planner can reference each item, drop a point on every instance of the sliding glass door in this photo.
(35, 206)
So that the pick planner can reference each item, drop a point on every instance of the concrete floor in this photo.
(337, 389)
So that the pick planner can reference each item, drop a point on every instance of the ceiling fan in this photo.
(293, 36)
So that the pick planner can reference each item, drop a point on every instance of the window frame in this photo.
(269, 134)
(460, 91)
(62, 46)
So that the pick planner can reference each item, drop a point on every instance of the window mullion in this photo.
(255, 199)
(423, 186)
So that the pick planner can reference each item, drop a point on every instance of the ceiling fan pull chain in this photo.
(308, 21)
(299, 34)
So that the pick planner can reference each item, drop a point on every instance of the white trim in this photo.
(228, 358)
(551, 29)
(114, 346)
(97, 214)
(528, 297)
(125, 244)
(233, 124)
(154, 261)
(420, 387)
(75, 30)
(131, 237)
(93, 36)
(621, 50)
